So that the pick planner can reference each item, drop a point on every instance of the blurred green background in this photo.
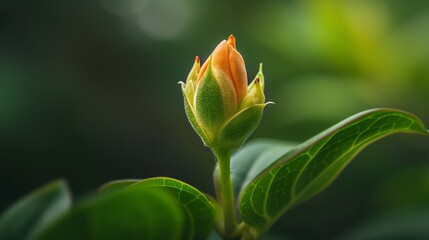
(89, 93)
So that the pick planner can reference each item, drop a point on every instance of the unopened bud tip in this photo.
(231, 41)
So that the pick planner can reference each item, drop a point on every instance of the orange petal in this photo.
(203, 68)
(231, 41)
(220, 59)
(238, 72)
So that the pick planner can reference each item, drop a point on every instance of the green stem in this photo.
(226, 193)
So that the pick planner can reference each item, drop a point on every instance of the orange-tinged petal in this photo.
(231, 41)
(221, 59)
(229, 61)
(203, 68)
(238, 73)
(229, 69)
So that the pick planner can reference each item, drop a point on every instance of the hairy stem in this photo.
(226, 193)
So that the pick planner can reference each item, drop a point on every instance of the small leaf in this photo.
(199, 209)
(26, 217)
(132, 214)
(117, 185)
(312, 166)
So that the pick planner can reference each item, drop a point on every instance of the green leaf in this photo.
(117, 185)
(26, 217)
(200, 211)
(312, 166)
(132, 214)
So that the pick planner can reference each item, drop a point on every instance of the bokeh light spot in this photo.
(164, 19)
(123, 7)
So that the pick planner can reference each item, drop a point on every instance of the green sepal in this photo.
(255, 91)
(209, 105)
(191, 116)
(236, 131)
(193, 74)
(188, 90)
(255, 95)
(261, 77)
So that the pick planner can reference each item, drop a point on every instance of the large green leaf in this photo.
(313, 165)
(200, 211)
(26, 217)
(132, 214)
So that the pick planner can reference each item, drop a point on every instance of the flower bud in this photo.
(220, 106)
